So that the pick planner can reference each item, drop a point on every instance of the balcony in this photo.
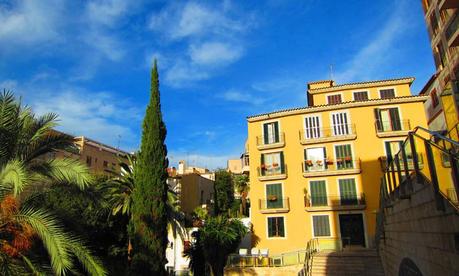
(326, 167)
(321, 135)
(452, 31)
(384, 163)
(271, 142)
(272, 172)
(448, 4)
(273, 205)
(334, 202)
(392, 128)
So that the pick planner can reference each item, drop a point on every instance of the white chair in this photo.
(264, 252)
(243, 251)
(254, 252)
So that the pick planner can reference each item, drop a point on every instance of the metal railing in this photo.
(334, 200)
(452, 27)
(274, 202)
(390, 126)
(271, 139)
(327, 132)
(312, 247)
(346, 163)
(386, 161)
(398, 179)
(272, 170)
(303, 256)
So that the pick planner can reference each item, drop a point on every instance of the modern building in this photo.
(442, 20)
(315, 170)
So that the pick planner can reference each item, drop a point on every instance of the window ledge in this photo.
(335, 172)
(275, 210)
(272, 177)
(335, 208)
(328, 139)
(392, 133)
(271, 146)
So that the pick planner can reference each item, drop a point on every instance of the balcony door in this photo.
(271, 133)
(388, 119)
(312, 127)
(347, 191)
(340, 123)
(274, 196)
(315, 159)
(344, 159)
(272, 163)
(318, 192)
(352, 230)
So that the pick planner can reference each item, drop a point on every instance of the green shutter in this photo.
(378, 120)
(276, 132)
(281, 228)
(270, 227)
(282, 165)
(276, 227)
(265, 134)
(395, 119)
(274, 190)
(344, 152)
(262, 162)
(348, 192)
(321, 226)
(318, 193)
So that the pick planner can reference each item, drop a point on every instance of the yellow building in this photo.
(315, 171)
(442, 20)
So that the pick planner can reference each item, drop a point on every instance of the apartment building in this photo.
(442, 20)
(315, 170)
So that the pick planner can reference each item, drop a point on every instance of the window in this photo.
(318, 192)
(276, 227)
(433, 23)
(105, 164)
(360, 96)
(312, 127)
(88, 160)
(347, 191)
(434, 97)
(340, 124)
(272, 163)
(334, 99)
(387, 93)
(271, 133)
(274, 196)
(315, 159)
(344, 158)
(321, 225)
(392, 148)
(388, 119)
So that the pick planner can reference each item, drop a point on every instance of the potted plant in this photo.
(329, 162)
(263, 166)
(309, 163)
(319, 162)
(339, 160)
(348, 158)
(275, 165)
(272, 198)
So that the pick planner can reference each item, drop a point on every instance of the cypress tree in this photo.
(148, 226)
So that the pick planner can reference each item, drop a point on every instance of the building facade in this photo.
(315, 171)
(442, 20)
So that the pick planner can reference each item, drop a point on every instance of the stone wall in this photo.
(415, 229)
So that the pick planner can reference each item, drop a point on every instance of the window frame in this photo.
(348, 123)
(284, 219)
(335, 94)
(278, 132)
(282, 195)
(326, 191)
(329, 226)
(318, 115)
(353, 157)
(360, 91)
(357, 190)
(387, 88)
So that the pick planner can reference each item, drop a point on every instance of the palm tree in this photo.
(26, 143)
(241, 183)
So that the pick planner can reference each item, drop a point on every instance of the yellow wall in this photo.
(190, 192)
(367, 146)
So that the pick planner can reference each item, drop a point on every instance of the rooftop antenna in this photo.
(331, 71)
(119, 140)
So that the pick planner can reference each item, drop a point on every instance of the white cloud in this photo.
(195, 19)
(366, 63)
(242, 97)
(30, 21)
(214, 53)
(106, 12)
(182, 73)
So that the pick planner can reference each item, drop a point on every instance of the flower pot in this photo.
(272, 198)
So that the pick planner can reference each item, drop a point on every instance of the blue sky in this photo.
(89, 61)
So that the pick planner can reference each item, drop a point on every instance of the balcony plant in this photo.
(272, 198)
(309, 163)
(348, 158)
(339, 160)
(263, 166)
(319, 162)
(275, 165)
(329, 162)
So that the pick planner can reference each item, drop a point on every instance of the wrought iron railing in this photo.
(329, 164)
(334, 200)
(390, 126)
(274, 138)
(272, 170)
(327, 132)
(273, 202)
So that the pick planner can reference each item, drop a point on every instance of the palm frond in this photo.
(64, 171)
(90, 263)
(13, 178)
(52, 234)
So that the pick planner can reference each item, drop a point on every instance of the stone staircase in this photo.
(349, 263)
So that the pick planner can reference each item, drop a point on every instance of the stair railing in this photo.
(312, 247)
